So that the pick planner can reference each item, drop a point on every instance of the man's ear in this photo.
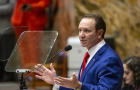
(100, 33)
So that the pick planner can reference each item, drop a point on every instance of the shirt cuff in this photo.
(56, 87)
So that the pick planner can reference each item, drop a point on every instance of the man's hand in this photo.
(72, 82)
(45, 74)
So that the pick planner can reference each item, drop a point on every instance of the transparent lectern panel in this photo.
(32, 47)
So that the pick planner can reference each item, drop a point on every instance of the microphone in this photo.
(67, 48)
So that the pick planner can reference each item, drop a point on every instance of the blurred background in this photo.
(122, 18)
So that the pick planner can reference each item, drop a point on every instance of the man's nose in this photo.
(82, 34)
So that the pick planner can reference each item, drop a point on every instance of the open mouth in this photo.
(83, 41)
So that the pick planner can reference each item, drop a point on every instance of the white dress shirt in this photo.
(94, 49)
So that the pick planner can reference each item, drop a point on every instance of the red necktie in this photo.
(84, 63)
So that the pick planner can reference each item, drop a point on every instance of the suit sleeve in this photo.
(63, 88)
(109, 75)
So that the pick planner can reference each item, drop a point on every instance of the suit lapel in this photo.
(93, 60)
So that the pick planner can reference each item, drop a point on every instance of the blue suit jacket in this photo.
(103, 72)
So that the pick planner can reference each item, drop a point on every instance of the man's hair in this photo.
(133, 63)
(99, 22)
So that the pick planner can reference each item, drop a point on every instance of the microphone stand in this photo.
(22, 82)
(22, 79)
(67, 48)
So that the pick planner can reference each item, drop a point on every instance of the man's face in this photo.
(87, 33)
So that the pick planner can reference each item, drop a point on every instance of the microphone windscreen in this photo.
(68, 47)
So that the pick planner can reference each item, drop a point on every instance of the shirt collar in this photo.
(95, 48)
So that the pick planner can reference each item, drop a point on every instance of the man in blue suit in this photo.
(101, 70)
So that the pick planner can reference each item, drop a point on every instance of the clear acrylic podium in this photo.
(32, 47)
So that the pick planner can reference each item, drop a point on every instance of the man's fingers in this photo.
(58, 82)
(38, 72)
(39, 77)
(41, 68)
(62, 78)
(74, 76)
(38, 67)
(51, 67)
